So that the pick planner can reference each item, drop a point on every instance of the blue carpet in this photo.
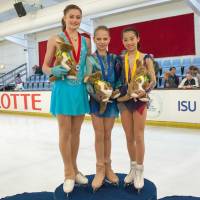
(109, 192)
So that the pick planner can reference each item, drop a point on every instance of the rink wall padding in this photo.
(175, 108)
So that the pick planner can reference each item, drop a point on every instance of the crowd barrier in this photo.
(170, 107)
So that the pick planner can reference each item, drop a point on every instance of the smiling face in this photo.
(72, 18)
(101, 39)
(130, 40)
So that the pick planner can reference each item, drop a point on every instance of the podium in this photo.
(108, 191)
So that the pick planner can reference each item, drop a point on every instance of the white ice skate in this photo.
(80, 179)
(139, 178)
(68, 185)
(130, 176)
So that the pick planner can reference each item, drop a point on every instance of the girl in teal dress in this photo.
(109, 65)
(69, 99)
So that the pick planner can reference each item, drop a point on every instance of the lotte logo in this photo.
(24, 100)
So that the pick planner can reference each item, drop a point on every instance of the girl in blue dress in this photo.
(69, 99)
(109, 65)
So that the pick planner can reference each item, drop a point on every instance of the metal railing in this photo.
(9, 77)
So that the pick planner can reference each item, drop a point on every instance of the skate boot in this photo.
(131, 175)
(99, 177)
(81, 179)
(139, 178)
(111, 177)
(68, 186)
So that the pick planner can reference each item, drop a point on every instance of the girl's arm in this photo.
(88, 42)
(50, 52)
(89, 70)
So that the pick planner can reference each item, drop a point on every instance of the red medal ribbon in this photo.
(76, 56)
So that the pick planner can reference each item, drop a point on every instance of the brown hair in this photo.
(105, 28)
(66, 10)
(135, 32)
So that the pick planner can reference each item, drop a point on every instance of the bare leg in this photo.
(64, 123)
(75, 139)
(127, 123)
(99, 147)
(108, 125)
(139, 124)
(99, 138)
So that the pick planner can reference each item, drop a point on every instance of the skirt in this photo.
(69, 99)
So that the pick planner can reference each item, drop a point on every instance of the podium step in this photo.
(108, 191)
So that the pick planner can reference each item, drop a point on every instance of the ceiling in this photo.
(47, 9)
(8, 12)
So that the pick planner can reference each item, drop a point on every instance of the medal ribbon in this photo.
(137, 56)
(76, 56)
(108, 76)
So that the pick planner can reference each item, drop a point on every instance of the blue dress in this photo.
(70, 97)
(94, 66)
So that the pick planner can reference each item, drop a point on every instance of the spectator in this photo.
(171, 80)
(194, 71)
(18, 82)
(37, 70)
(189, 82)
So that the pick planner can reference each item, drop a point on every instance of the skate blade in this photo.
(81, 185)
(128, 184)
(112, 183)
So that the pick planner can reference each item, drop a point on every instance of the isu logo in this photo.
(187, 106)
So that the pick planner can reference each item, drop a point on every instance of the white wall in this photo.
(11, 55)
(44, 35)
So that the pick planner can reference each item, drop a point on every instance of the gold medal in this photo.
(137, 56)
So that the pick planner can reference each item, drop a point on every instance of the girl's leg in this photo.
(127, 123)
(99, 148)
(64, 123)
(139, 124)
(108, 125)
(75, 141)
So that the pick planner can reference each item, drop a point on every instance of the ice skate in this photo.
(111, 177)
(80, 179)
(130, 176)
(68, 186)
(99, 177)
(139, 178)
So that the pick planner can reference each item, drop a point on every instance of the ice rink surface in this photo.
(30, 160)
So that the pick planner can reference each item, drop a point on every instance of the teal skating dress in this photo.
(70, 97)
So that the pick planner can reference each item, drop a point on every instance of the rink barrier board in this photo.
(148, 122)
